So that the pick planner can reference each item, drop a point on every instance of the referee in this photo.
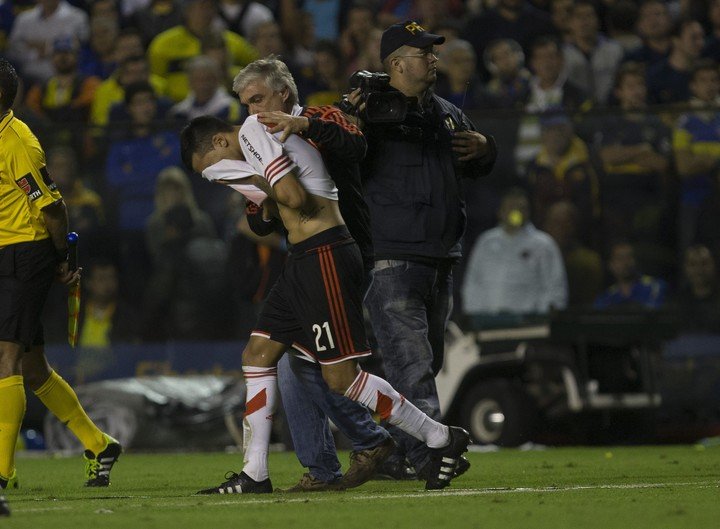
(33, 252)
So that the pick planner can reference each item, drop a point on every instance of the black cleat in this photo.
(97, 468)
(397, 470)
(240, 484)
(462, 466)
(4, 507)
(444, 462)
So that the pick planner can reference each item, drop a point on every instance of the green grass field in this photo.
(628, 487)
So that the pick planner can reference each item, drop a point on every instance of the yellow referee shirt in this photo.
(25, 185)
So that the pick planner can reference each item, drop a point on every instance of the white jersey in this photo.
(268, 157)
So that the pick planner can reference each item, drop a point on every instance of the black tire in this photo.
(498, 412)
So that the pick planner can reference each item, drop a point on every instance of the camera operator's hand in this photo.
(277, 121)
(469, 145)
(353, 99)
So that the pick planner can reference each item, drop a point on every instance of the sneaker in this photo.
(444, 461)
(396, 470)
(97, 468)
(364, 463)
(309, 483)
(240, 484)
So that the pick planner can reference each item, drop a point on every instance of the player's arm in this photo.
(286, 191)
(56, 222)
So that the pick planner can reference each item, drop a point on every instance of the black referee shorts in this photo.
(315, 306)
(27, 271)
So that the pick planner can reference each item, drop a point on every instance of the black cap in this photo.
(408, 33)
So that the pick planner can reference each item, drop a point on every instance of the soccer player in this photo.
(33, 252)
(315, 306)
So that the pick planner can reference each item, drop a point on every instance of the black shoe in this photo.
(98, 467)
(444, 462)
(4, 507)
(462, 466)
(396, 470)
(240, 484)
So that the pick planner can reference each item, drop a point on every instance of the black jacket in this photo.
(411, 182)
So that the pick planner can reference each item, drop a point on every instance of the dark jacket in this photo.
(411, 183)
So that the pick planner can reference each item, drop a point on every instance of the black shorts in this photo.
(315, 306)
(27, 271)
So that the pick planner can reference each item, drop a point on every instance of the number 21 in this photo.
(317, 329)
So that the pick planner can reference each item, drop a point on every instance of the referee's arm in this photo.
(56, 222)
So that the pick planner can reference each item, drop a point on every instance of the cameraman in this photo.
(411, 180)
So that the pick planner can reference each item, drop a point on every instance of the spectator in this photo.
(509, 83)
(170, 49)
(7, 17)
(621, 20)
(97, 56)
(369, 56)
(157, 16)
(243, 16)
(549, 89)
(129, 43)
(359, 27)
(105, 318)
(325, 18)
(654, 25)
(562, 171)
(582, 265)
(514, 268)
(560, 17)
(669, 78)
(207, 95)
(712, 45)
(173, 188)
(630, 287)
(698, 302)
(696, 143)
(134, 162)
(458, 81)
(267, 39)
(634, 148)
(133, 69)
(85, 208)
(326, 82)
(591, 59)
(31, 40)
(510, 19)
(186, 297)
(67, 95)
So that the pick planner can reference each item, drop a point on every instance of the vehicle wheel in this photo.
(497, 412)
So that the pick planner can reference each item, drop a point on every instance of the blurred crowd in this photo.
(606, 113)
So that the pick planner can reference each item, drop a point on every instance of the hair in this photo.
(205, 63)
(8, 84)
(545, 40)
(174, 176)
(273, 71)
(514, 192)
(627, 69)
(196, 137)
(458, 44)
(702, 65)
(138, 88)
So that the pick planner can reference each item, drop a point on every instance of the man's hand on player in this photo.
(468, 145)
(277, 121)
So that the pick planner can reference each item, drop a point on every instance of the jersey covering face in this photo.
(25, 185)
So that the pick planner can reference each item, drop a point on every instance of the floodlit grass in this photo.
(629, 487)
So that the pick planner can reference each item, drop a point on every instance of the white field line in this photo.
(195, 500)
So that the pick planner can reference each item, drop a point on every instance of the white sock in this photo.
(261, 385)
(378, 395)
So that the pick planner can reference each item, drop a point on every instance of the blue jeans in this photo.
(308, 403)
(409, 305)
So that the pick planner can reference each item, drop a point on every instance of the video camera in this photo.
(383, 104)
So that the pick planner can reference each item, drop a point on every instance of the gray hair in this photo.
(273, 71)
(204, 63)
